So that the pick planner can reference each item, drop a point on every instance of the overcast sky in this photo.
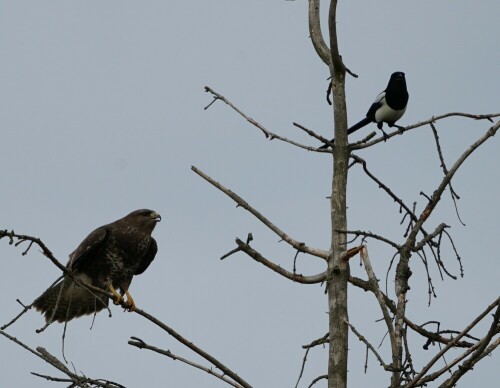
(101, 113)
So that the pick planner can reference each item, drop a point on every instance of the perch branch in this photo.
(194, 348)
(433, 119)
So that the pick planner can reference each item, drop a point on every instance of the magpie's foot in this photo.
(400, 128)
(385, 135)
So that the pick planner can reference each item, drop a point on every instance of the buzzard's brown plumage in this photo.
(108, 258)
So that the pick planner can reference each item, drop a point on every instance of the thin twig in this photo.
(267, 133)
(454, 195)
(369, 346)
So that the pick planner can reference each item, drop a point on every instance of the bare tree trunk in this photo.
(338, 269)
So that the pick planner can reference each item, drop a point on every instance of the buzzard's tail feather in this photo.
(65, 301)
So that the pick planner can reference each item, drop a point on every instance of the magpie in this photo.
(388, 107)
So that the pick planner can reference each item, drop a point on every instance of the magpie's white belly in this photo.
(387, 114)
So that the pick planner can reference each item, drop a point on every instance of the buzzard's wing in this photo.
(148, 257)
(87, 248)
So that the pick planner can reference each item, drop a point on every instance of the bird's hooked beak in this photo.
(155, 216)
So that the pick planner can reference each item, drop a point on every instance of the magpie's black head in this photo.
(398, 76)
(396, 93)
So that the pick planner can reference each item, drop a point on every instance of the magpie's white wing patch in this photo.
(379, 98)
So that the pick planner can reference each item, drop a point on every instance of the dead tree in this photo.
(417, 241)
(420, 239)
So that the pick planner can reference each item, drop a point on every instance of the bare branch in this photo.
(218, 96)
(454, 195)
(447, 367)
(436, 196)
(139, 343)
(479, 353)
(316, 136)
(384, 187)
(452, 343)
(429, 237)
(267, 133)
(369, 346)
(276, 268)
(319, 378)
(388, 191)
(370, 235)
(23, 311)
(300, 246)
(320, 341)
(433, 119)
(77, 380)
(316, 342)
(315, 32)
(382, 303)
(22, 238)
(194, 348)
(434, 337)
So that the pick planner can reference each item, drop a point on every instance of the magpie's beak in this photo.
(155, 216)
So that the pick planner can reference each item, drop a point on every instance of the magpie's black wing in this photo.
(379, 101)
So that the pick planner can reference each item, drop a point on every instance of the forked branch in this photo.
(313, 279)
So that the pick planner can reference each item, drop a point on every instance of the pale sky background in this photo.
(101, 113)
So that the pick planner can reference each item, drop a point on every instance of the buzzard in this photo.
(108, 258)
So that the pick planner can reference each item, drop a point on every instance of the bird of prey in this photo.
(388, 107)
(108, 258)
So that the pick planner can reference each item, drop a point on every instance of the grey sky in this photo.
(101, 112)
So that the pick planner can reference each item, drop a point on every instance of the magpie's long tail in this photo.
(354, 128)
(359, 125)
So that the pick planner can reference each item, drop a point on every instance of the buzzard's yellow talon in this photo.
(117, 297)
(130, 302)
